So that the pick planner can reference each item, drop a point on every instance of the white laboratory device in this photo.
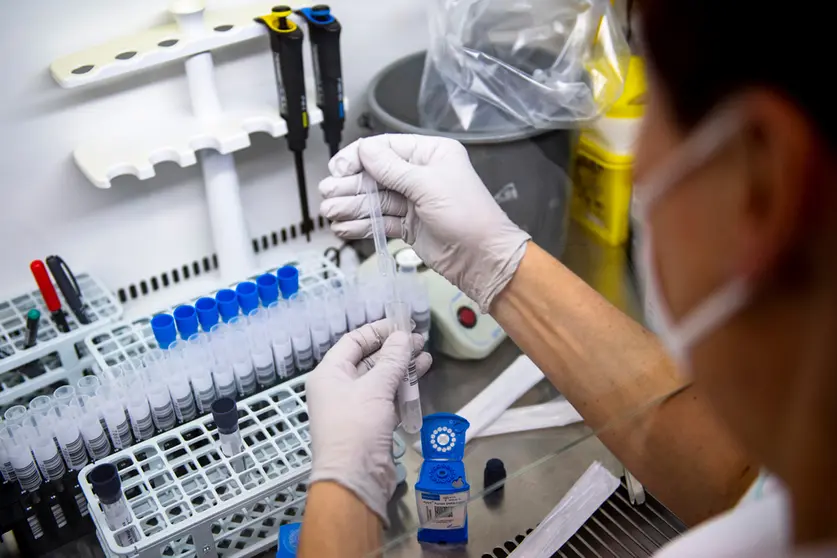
(459, 330)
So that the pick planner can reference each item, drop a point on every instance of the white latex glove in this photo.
(352, 412)
(433, 199)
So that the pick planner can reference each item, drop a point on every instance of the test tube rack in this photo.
(127, 340)
(57, 355)
(186, 498)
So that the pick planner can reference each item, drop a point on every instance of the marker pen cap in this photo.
(106, 483)
(207, 310)
(186, 319)
(227, 304)
(268, 288)
(164, 331)
(248, 296)
(225, 414)
(288, 280)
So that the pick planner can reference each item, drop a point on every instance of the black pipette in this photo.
(286, 40)
(324, 34)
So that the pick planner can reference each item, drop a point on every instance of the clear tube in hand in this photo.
(409, 402)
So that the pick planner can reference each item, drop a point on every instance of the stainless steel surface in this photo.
(450, 384)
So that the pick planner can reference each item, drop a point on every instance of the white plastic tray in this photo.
(127, 340)
(187, 499)
(102, 309)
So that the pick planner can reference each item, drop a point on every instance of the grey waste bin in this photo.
(526, 170)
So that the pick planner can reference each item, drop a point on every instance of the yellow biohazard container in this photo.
(603, 166)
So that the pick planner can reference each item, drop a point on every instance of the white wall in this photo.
(49, 207)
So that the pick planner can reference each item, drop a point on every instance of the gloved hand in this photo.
(352, 412)
(432, 198)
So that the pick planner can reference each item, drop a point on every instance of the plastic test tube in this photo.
(16, 415)
(6, 467)
(222, 368)
(207, 310)
(109, 402)
(186, 319)
(227, 304)
(198, 360)
(178, 381)
(20, 456)
(95, 438)
(374, 299)
(261, 350)
(88, 386)
(280, 340)
(225, 414)
(139, 411)
(355, 308)
(162, 326)
(65, 426)
(248, 296)
(409, 403)
(40, 405)
(44, 448)
(238, 351)
(415, 292)
(159, 398)
(300, 335)
(319, 326)
(335, 307)
(107, 486)
(64, 395)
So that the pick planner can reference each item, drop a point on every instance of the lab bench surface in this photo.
(450, 384)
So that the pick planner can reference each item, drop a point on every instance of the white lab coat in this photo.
(760, 526)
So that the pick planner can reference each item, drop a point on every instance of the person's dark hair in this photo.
(703, 51)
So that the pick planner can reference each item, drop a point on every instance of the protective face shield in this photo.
(679, 337)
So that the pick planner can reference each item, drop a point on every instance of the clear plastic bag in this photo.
(503, 65)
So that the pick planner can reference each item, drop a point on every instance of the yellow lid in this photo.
(632, 102)
(590, 148)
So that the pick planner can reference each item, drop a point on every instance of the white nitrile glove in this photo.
(352, 412)
(432, 198)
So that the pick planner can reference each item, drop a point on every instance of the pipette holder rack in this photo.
(127, 340)
(57, 355)
(186, 498)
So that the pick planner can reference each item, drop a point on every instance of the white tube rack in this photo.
(126, 340)
(188, 499)
(57, 355)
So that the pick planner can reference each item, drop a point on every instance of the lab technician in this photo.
(736, 203)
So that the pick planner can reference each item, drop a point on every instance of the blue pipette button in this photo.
(268, 288)
(288, 280)
(207, 310)
(227, 304)
(248, 297)
(164, 331)
(186, 319)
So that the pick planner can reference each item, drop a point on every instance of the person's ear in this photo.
(783, 171)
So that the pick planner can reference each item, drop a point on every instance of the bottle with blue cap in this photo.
(442, 490)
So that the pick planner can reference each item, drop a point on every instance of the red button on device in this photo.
(467, 317)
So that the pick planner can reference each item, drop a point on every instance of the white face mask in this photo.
(679, 338)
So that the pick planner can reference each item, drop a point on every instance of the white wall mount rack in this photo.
(209, 137)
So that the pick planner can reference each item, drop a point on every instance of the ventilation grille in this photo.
(617, 529)
(189, 270)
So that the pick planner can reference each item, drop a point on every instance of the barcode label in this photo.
(99, 446)
(304, 359)
(321, 350)
(163, 415)
(228, 390)
(246, 384)
(35, 527)
(9, 471)
(143, 427)
(53, 468)
(28, 477)
(121, 435)
(205, 398)
(184, 407)
(81, 504)
(266, 375)
(442, 512)
(412, 375)
(58, 514)
(337, 336)
(75, 453)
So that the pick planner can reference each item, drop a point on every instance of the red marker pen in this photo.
(50, 296)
